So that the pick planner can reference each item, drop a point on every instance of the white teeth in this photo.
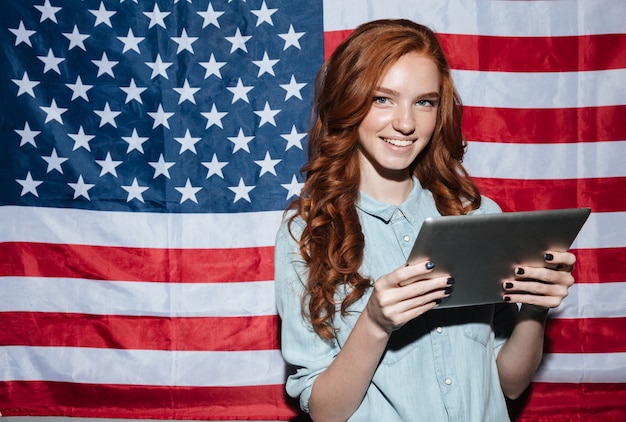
(399, 142)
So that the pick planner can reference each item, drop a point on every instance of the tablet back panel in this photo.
(481, 251)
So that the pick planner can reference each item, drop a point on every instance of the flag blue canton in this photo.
(151, 106)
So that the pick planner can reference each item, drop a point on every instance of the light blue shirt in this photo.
(439, 367)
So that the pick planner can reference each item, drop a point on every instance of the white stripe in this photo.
(593, 300)
(499, 18)
(31, 294)
(541, 89)
(602, 230)
(134, 229)
(583, 367)
(580, 160)
(142, 367)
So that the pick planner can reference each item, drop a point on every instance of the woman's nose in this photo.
(404, 120)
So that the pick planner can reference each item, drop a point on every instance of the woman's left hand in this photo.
(544, 287)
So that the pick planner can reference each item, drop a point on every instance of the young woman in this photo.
(361, 330)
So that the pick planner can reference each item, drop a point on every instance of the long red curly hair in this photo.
(332, 242)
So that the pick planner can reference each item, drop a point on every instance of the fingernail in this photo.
(447, 290)
(520, 271)
(438, 301)
(430, 265)
(507, 299)
(450, 281)
(508, 285)
(548, 257)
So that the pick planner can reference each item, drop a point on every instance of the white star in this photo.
(188, 143)
(28, 135)
(212, 67)
(22, 35)
(108, 165)
(241, 141)
(161, 167)
(210, 17)
(135, 191)
(51, 62)
(25, 85)
(107, 116)
(156, 17)
(241, 191)
(267, 115)
(214, 117)
(48, 11)
(293, 139)
(76, 39)
(188, 192)
(186, 93)
(53, 112)
(105, 65)
(131, 42)
(291, 38)
(267, 164)
(159, 67)
(264, 14)
(266, 65)
(184, 42)
(54, 161)
(238, 41)
(293, 88)
(133, 92)
(160, 117)
(294, 188)
(80, 139)
(240, 92)
(79, 89)
(81, 188)
(29, 185)
(215, 167)
(134, 142)
(102, 16)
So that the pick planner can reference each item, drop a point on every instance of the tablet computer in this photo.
(481, 251)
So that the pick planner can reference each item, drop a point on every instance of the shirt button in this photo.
(448, 381)
(439, 330)
(400, 214)
(406, 238)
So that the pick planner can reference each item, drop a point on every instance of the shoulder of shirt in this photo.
(488, 206)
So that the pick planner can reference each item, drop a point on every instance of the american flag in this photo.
(149, 148)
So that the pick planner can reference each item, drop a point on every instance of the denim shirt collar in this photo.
(385, 211)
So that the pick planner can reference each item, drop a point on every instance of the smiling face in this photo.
(401, 120)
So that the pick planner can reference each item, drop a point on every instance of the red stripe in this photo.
(267, 402)
(136, 264)
(571, 402)
(139, 332)
(522, 54)
(601, 194)
(586, 335)
(558, 125)
(600, 265)
(535, 54)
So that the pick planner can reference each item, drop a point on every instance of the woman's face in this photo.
(402, 117)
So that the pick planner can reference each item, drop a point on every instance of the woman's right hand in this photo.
(406, 293)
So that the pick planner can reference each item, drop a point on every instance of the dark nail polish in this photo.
(507, 299)
(447, 290)
(450, 281)
(438, 301)
(508, 285)
(430, 265)
(548, 257)
(520, 271)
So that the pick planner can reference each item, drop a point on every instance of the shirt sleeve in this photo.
(302, 348)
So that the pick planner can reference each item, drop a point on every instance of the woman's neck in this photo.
(387, 190)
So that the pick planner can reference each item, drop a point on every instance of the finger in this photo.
(544, 275)
(560, 260)
(412, 273)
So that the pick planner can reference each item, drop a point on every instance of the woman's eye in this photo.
(381, 100)
(426, 103)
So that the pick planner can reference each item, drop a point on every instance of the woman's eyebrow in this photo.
(431, 95)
